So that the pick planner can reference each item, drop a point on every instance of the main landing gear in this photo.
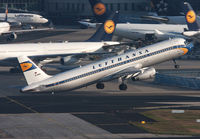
(176, 66)
(123, 87)
(100, 86)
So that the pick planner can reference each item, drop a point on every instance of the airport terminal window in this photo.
(83, 7)
(133, 7)
(126, 6)
(118, 6)
(111, 7)
(67, 6)
(73, 7)
(78, 7)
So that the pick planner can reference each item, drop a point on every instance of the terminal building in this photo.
(32, 5)
(76, 9)
(70, 10)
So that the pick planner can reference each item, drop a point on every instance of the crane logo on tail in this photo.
(109, 26)
(99, 9)
(191, 16)
(26, 66)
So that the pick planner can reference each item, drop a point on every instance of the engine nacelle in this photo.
(146, 73)
(12, 37)
(68, 60)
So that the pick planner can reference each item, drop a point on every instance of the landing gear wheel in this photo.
(176, 66)
(100, 86)
(123, 87)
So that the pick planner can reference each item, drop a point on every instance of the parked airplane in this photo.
(150, 32)
(134, 64)
(23, 18)
(97, 44)
(12, 34)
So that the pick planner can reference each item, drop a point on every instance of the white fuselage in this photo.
(24, 18)
(12, 51)
(4, 27)
(98, 71)
(139, 31)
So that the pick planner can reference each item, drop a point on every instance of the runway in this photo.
(87, 113)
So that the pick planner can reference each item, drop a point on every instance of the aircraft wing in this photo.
(124, 73)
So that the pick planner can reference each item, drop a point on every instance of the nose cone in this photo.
(44, 20)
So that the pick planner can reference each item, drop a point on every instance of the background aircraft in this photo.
(147, 32)
(97, 44)
(5, 27)
(18, 19)
(134, 64)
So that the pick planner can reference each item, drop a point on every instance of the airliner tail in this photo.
(31, 71)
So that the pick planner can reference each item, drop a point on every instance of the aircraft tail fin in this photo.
(106, 30)
(191, 17)
(99, 10)
(31, 71)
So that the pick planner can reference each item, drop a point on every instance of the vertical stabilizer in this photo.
(99, 10)
(191, 17)
(106, 30)
(31, 71)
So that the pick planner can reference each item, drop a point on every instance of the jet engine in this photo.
(12, 37)
(68, 60)
(146, 73)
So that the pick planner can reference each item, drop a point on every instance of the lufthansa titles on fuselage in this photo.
(120, 59)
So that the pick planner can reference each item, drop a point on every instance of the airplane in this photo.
(134, 64)
(18, 19)
(5, 28)
(147, 32)
(97, 44)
